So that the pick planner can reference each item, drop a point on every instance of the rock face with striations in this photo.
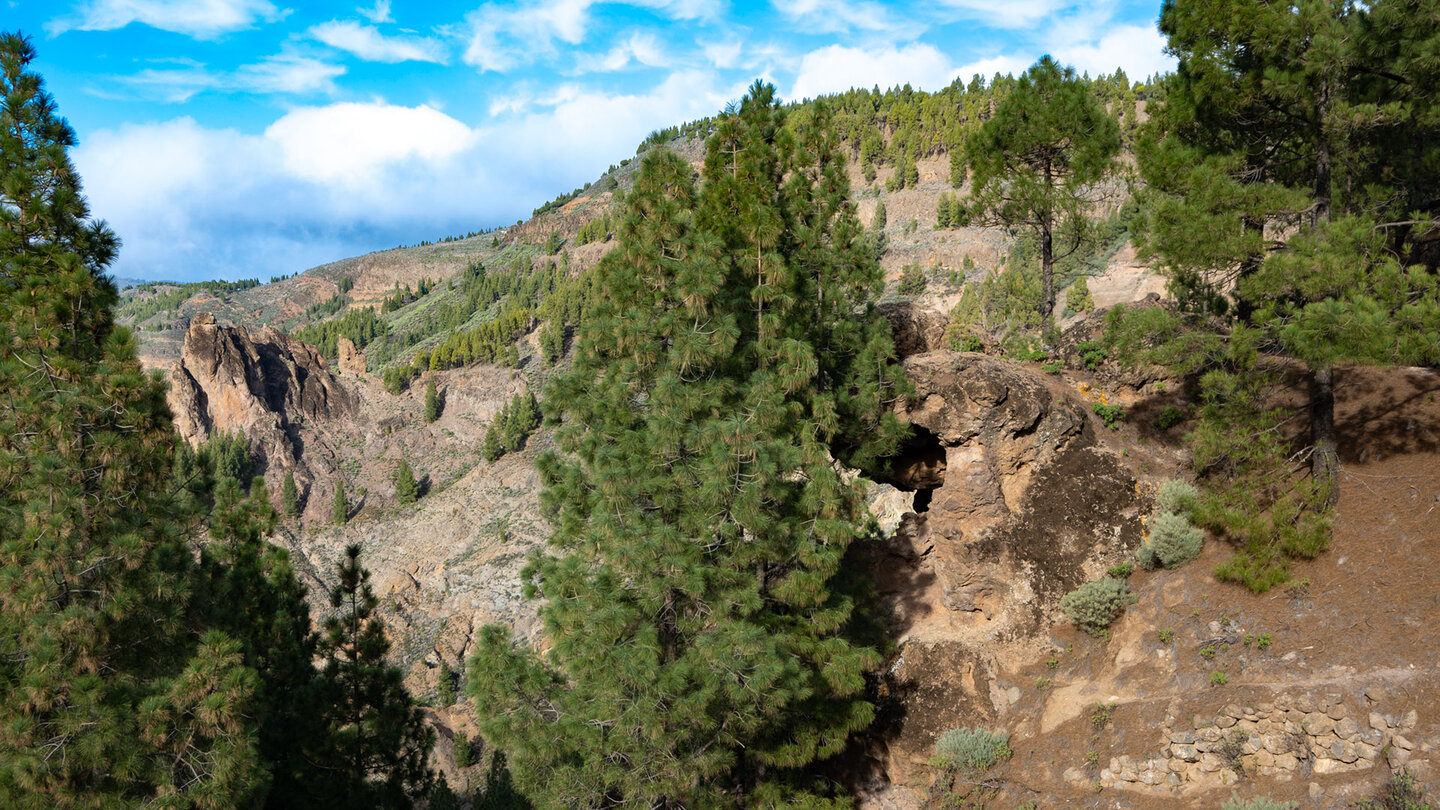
(1015, 503)
(264, 386)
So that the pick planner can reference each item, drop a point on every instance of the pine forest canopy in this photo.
(700, 654)
(727, 359)
(140, 663)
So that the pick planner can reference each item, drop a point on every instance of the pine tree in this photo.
(491, 450)
(698, 653)
(249, 590)
(1037, 163)
(407, 489)
(432, 401)
(957, 167)
(111, 693)
(877, 222)
(1078, 298)
(378, 744)
(290, 496)
(552, 341)
(340, 509)
(1266, 168)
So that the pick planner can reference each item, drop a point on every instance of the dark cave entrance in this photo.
(919, 467)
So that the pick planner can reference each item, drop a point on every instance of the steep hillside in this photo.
(1014, 492)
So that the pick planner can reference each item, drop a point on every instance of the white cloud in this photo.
(173, 85)
(1009, 14)
(323, 182)
(202, 19)
(723, 55)
(835, 68)
(281, 73)
(642, 48)
(349, 144)
(379, 14)
(366, 42)
(987, 68)
(686, 9)
(838, 16)
(504, 37)
(288, 74)
(1139, 49)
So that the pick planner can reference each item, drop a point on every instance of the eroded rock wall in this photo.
(263, 385)
(1015, 503)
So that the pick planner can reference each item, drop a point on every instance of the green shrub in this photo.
(1176, 496)
(912, 280)
(1169, 417)
(1078, 298)
(1092, 353)
(1094, 605)
(464, 752)
(972, 749)
(1111, 415)
(1172, 542)
(407, 489)
(1258, 803)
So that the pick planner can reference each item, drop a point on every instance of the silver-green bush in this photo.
(1179, 497)
(972, 749)
(1094, 605)
(1259, 803)
(1172, 542)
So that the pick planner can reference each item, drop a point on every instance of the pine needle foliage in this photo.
(340, 507)
(432, 401)
(699, 652)
(1289, 195)
(110, 694)
(289, 496)
(508, 431)
(378, 743)
(407, 489)
(1037, 164)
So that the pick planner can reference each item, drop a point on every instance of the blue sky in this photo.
(243, 138)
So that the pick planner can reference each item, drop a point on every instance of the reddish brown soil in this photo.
(1362, 620)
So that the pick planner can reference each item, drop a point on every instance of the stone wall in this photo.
(1295, 735)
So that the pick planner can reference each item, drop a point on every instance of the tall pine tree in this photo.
(378, 745)
(1037, 164)
(699, 655)
(110, 693)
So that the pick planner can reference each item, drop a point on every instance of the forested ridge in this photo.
(712, 381)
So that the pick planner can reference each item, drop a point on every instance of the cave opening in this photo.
(918, 467)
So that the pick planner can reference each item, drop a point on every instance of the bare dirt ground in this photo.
(1361, 624)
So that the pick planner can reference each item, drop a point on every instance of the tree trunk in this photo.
(1325, 459)
(1322, 159)
(1047, 277)
(1047, 259)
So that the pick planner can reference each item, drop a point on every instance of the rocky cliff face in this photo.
(1014, 503)
(264, 385)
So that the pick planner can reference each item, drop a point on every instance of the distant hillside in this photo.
(905, 149)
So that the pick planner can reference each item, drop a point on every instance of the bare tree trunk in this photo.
(1047, 276)
(1325, 458)
(1047, 255)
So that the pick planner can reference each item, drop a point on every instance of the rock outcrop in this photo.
(265, 386)
(348, 358)
(1015, 503)
(916, 328)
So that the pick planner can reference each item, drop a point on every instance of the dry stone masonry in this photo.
(1293, 736)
